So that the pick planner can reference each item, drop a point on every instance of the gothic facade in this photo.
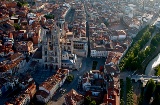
(51, 50)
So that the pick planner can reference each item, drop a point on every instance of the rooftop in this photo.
(72, 97)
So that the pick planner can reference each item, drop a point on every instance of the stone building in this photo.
(51, 51)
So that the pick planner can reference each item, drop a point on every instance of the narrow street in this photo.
(70, 16)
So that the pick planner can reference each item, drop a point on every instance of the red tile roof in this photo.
(72, 97)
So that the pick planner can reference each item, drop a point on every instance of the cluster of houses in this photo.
(56, 43)
(49, 87)
(102, 86)
(23, 86)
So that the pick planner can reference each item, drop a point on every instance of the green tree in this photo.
(70, 78)
(19, 4)
(150, 87)
(156, 100)
(87, 100)
(17, 27)
(122, 102)
(157, 70)
(49, 16)
(92, 103)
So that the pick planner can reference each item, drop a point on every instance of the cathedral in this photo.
(56, 49)
(51, 51)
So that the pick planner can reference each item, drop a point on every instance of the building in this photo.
(48, 88)
(112, 98)
(25, 81)
(80, 46)
(100, 48)
(42, 96)
(21, 99)
(51, 51)
(73, 98)
(3, 86)
(118, 35)
(13, 64)
(69, 60)
(25, 47)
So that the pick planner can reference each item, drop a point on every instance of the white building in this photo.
(118, 35)
(69, 60)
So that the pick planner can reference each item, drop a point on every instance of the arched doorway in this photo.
(51, 67)
(46, 66)
(56, 67)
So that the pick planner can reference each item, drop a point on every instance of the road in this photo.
(70, 16)
(86, 67)
(148, 43)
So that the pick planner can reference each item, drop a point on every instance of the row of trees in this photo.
(135, 55)
(129, 91)
(140, 100)
(156, 40)
(151, 93)
(121, 92)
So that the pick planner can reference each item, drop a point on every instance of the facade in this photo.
(118, 35)
(22, 99)
(69, 60)
(99, 51)
(51, 51)
(80, 46)
(42, 96)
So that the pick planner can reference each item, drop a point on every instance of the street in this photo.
(86, 66)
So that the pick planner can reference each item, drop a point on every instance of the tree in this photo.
(92, 103)
(19, 4)
(17, 27)
(122, 102)
(150, 87)
(49, 16)
(151, 29)
(156, 100)
(70, 78)
(87, 100)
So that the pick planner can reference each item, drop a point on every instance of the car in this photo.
(60, 90)
(63, 91)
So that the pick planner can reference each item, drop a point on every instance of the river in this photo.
(153, 63)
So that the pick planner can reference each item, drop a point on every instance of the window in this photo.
(45, 52)
(45, 59)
